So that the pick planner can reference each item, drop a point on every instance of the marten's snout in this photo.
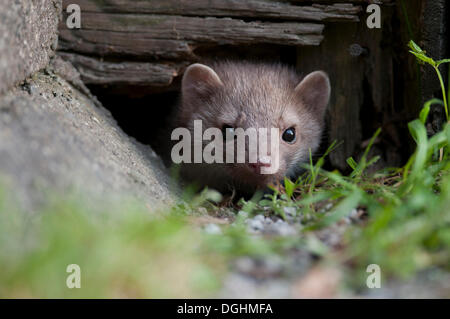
(264, 161)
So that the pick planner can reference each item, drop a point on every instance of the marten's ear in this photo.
(314, 92)
(199, 82)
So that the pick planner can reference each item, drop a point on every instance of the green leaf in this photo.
(343, 209)
(424, 58)
(289, 186)
(438, 63)
(426, 109)
(424, 113)
(352, 163)
(420, 54)
(447, 132)
(372, 140)
(265, 203)
(315, 246)
(414, 47)
(251, 205)
(419, 133)
(373, 160)
(358, 168)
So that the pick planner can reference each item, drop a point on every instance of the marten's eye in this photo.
(289, 135)
(227, 130)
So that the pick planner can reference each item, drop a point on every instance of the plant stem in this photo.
(443, 91)
(448, 82)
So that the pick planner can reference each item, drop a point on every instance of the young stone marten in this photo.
(228, 95)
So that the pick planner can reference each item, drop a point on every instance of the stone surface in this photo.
(55, 140)
(28, 38)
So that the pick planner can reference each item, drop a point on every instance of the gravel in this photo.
(213, 229)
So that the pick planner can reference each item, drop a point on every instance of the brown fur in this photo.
(244, 94)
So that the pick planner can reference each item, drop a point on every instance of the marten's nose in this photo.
(262, 162)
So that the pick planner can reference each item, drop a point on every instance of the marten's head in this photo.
(232, 95)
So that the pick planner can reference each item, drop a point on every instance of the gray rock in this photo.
(429, 284)
(241, 286)
(213, 229)
(266, 225)
(255, 224)
(259, 268)
(290, 211)
(28, 38)
(243, 214)
(54, 140)
(281, 228)
(259, 217)
(244, 264)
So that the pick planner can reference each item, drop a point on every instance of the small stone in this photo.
(273, 265)
(255, 225)
(326, 208)
(213, 229)
(243, 214)
(354, 214)
(347, 220)
(290, 211)
(282, 228)
(244, 265)
(259, 217)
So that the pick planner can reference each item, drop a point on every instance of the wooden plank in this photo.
(341, 1)
(435, 43)
(346, 77)
(199, 30)
(98, 42)
(224, 8)
(97, 71)
(363, 85)
(147, 38)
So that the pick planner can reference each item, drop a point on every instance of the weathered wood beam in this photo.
(201, 30)
(224, 8)
(105, 43)
(435, 42)
(175, 37)
(96, 71)
(341, 1)
(145, 43)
